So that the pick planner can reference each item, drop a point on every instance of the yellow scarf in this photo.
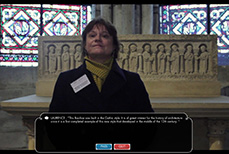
(99, 71)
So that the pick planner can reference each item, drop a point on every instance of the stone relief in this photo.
(151, 58)
(61, 60)
(166, 61)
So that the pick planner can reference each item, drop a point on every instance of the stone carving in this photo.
(65, 58)
(174, 59)
(134, 65)
(169, 60)
(78, 55)
(52, 59)
(60, 57)
(161, 58)
(153, 57)
(169, 65)
(189, 57)
(123, 58)
(204, 57)
(147, 59)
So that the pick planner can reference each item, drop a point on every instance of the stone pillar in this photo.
(29, 123)
(117, 17)
(137, 29)
(154, 63)
(127, 18)
(216, 133)
(58, 50)
(93, 11)
(72, 60)
(181, 61)
(167, 69)
(147, 19)
(156, 18)
(106, 12)
(46, 63)
(196, 52)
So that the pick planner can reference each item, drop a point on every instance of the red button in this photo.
(121, 146)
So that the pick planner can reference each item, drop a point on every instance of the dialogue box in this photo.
(146, 132)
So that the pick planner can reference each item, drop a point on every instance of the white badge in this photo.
(80, 83)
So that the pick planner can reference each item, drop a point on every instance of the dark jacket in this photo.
(122, 91)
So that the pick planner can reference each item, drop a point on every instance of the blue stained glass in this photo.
(20, 27)
(183, 19)
(192, 19)
(219, 25)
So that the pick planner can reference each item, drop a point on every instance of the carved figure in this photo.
(52, 62)
(133, 57)
(147, 59)
(78, 55)
(123, 58)
(189, 56)
(65, 58)
(204, 56)
(174, 59)
(161, 56)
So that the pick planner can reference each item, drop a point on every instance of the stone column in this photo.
(29, 123)
(117, 17)
(181, 61)
(167, 69)
(106, 12)
(196, 52)
(93, 11)
(72, 60)
(156, 18)
(46, 63)
(216, 133)
(127, 18)
(147, 19)
(210, 64)
(154, 63)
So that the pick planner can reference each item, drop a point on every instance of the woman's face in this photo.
(99, 43)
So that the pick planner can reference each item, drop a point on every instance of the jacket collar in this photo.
(113, 83)
(115, 68)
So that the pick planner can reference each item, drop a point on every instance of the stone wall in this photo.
(15, 82)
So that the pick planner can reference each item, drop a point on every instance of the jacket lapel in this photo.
(114, 81)
(91, 92)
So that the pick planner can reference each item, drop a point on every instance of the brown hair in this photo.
(111, 30)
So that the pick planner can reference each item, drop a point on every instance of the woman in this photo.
(99, 84)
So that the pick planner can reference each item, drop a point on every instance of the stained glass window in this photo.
(183, 19)
(193, 19)
(220, 25)
(21, 24)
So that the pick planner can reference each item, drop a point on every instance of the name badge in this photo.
(80, 83)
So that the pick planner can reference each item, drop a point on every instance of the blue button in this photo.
(103, 146)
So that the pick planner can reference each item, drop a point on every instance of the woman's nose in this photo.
(98, 38)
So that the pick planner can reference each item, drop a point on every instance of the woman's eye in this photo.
(106, 36)
(91, 35)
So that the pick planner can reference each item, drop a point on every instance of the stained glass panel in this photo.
(192, 19)
(220, 25)
(21, 24)
(20, 28)
(183, 19)
(61, 20)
